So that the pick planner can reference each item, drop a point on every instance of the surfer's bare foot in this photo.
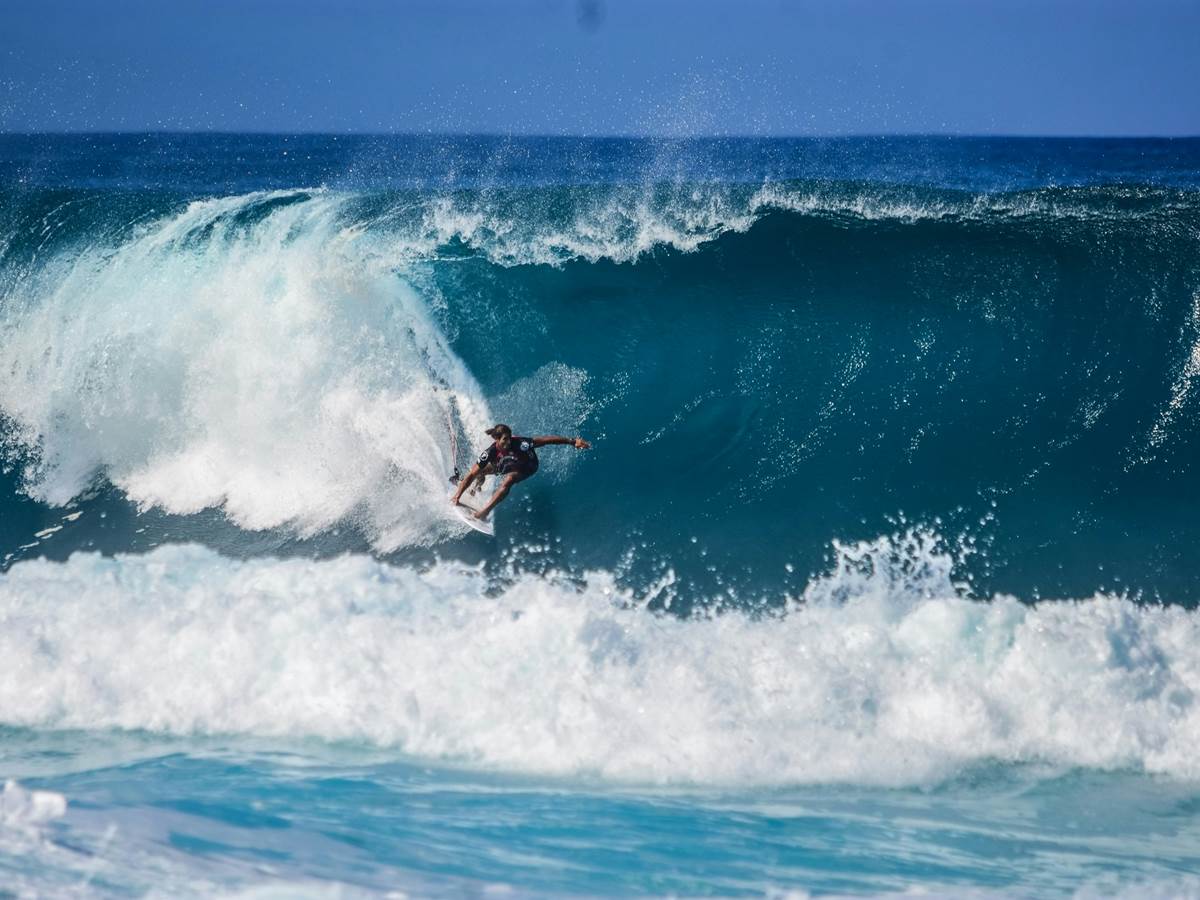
(481, 515)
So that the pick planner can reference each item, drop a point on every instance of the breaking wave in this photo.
(883, 671)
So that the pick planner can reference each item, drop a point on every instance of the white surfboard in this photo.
(471, 503)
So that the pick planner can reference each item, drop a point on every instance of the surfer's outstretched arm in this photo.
(577, 442)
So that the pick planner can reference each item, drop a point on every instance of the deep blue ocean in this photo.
(881, 576)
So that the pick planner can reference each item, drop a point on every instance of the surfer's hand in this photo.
(581, 444)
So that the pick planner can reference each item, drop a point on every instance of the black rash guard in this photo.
(520, 458)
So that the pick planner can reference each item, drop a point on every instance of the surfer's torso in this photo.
(519, 456)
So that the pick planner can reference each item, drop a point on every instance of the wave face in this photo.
(288, 345)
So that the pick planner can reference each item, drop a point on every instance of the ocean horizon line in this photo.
(615, 136)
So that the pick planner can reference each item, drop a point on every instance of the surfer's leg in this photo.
(501, 493)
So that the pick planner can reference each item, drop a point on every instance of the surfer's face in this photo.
(503, 441)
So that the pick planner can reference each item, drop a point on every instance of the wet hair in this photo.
(497, 430)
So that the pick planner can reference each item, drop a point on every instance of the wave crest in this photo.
(625, 223)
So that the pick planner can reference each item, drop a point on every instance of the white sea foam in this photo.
(883, 673)
(31, 864)
(251, 353)
(24, 809)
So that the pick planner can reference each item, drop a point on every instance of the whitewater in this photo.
(880, 577)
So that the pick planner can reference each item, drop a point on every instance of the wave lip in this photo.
(882, 673)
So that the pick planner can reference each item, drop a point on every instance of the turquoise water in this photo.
(199, 815)
(880, 577)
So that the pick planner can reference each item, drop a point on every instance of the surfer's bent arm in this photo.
(464, 483)
(577, 442)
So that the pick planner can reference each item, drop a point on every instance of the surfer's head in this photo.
(501, 434)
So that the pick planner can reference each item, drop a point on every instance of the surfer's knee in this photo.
(509, 481)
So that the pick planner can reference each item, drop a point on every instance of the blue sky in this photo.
(660, 67)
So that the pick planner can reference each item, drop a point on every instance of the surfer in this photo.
(511, 458)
